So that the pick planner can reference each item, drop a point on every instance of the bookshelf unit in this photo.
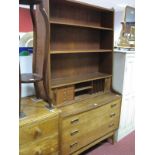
(80, 71)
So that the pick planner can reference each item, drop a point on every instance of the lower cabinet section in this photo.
(82, 129)
(70, 130)
(48, 146)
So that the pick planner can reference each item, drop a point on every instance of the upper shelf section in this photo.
(59, 82)
(80, 15)
(71, 23)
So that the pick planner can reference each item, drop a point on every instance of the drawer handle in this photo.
(52, 149)
(112, 114)
(38, 151)
(74, 132)
(37, 132)
(111, 125)
(74, 145)
(113, 105)
(74, 121)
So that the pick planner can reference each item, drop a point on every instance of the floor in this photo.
(126, 146)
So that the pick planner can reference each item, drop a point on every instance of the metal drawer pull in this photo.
(113, 105)
(37, 132)
(74, 121)
(38, 151)
(112, 114)
(74, 132)
(111, 125)
(74, 144)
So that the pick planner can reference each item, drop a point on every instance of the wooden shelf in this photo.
(83, 88)
(59, 82)
(79, 51)
(55, 21)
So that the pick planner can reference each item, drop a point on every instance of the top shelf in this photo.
(61, 22)
(60, 82)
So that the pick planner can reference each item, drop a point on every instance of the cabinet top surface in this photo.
(35, 110)
(94, 101)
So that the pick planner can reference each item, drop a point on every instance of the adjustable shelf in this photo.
(83, 88)
(71, 23)
(80, 51)
(60, 82)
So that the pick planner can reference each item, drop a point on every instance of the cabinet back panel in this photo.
(63, 65)
(105, 64)
(69, 12)
(74, 38)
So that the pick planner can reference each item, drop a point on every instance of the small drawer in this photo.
(64, 94)
(38, 129)
(47, 146)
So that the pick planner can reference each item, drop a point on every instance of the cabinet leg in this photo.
(111, 139)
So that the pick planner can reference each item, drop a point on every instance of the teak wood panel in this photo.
(71, 38)
(105, 63)
(74, 64)
(40, 48)
(81, 14)
(76, 38)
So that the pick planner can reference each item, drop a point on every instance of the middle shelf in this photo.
(80, 51)
(59, 82)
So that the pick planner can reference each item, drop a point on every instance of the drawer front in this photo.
(83, 118)
(64, 94)
(39, 129)
(90, 135)
(80, 119)
(82, 129)
(49, 146)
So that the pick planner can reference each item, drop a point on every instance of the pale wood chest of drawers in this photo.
(38, 131)
(82, 127)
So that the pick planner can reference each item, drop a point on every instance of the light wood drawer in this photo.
(85, 117)
(48, 146)
(38, 129)
(94, 122)
(89, 135)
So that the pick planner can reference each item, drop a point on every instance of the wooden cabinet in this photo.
(80, 49)
(80, 130)
(38, 131)
(79, 74)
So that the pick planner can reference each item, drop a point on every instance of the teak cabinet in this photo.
(79, 80)
(80, 50)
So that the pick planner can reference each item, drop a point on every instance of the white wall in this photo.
(26, 67)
